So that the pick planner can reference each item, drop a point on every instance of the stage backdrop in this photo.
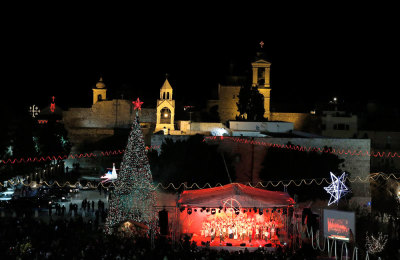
(248, 197)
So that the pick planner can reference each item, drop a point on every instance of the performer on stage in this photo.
(212, 234)
(221, 236)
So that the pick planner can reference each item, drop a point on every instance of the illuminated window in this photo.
(165, 115)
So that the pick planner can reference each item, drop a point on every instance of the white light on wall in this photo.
(219, 132)
(165, 115)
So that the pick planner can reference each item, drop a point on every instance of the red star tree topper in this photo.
(137, 104)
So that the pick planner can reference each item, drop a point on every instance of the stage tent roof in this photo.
(247, 196)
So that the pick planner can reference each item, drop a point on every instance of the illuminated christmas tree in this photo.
(133, 197)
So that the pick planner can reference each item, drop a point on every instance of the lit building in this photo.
(165, 109)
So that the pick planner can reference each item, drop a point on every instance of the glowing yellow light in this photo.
(165, 115)
(127, 224)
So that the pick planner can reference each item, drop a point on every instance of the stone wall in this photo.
(249, 158)
(228, 97)
(106, 114)
(302, 121)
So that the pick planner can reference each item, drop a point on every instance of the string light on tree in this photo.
(34, 110)
(375, 245)
(133, 198)
(337, 189)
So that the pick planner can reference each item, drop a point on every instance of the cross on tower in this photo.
(34, 110)
(53, 105)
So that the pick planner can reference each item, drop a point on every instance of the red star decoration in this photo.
(137, 104)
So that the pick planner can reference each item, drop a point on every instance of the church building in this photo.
(228, 97)
(165, 109)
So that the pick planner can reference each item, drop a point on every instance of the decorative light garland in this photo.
(298, 183)
(71, 156)
(211, 138)
(305, 148)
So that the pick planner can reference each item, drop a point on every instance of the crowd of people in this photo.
(75, 238)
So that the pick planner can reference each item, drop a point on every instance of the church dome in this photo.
(100, 83)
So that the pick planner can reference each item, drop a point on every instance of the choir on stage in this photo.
(241, 229)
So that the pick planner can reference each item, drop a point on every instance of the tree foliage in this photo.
(251, 104)
(288, 164)
(191, 161)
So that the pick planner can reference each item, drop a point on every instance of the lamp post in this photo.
(190, 115)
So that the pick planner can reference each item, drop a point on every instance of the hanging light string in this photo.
(298, 183)
(71, 156)
(342, 152)
(347, 152)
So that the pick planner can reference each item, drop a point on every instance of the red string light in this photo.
(215, 138)
(71, 156)
(305, 148)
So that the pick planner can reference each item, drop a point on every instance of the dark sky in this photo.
(348, 54)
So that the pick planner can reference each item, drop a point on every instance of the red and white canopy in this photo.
(248, 197)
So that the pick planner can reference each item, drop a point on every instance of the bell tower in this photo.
(99, 92)
(261, 73)
(165, 109)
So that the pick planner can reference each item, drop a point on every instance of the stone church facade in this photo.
(103, 117)
(228, 97)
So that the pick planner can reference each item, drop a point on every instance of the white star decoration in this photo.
(337, 189)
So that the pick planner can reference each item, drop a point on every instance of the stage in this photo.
(239, 248)
(242, 216)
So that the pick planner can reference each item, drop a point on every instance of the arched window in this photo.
(165, 116)
(163, 95)
(99, 97)
(167, 95)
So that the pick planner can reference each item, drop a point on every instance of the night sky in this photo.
(314, 57)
